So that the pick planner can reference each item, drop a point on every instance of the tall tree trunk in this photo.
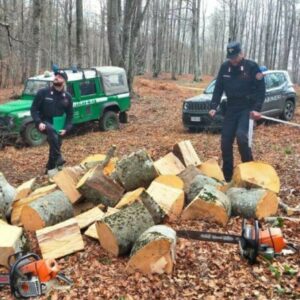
(79, 33)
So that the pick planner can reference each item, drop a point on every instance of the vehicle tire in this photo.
(109, 121)
(32, 136)
(288, 111)
(123, 117)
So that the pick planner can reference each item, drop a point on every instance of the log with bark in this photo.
(46, 211)
(154, 251)
(252, 203)
(130, 197)
(187, 176)
(24, 189)
(7, 195)
(89, 217)
(60, 240)
(118, 232)
(170, 199)
(210, 204)
(169, 165)
(185, 151)
(94, 160)
(135, 170)
(256, 174)
(212, 169)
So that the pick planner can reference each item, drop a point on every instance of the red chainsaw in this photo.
(28, 275)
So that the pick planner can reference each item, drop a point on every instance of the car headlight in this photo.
(185, 106)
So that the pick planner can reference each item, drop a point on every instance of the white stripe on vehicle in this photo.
(90, 101)
(23, 114)
(123, 96)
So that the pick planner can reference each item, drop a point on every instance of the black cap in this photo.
(233, 49)
(62, 73)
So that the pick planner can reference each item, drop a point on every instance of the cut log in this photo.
(212, 169)
(185, 151)
(154, 251)
(187, 176)
(118, 232)
(99, 188)
(11, 241)
(84, 206)
(135, 170)
(94, 160)
(67, 184)
(253, 203)
(210, 204)
(256, 174)
(197, 185)
(18, 205)
(89, 217)
(171, 200)
(46, 211)
(130, 197)
(76, 172)
(7, 195)
(170, 180)
(60, 240)
(169, 165)
(92, 231)
(24, 189)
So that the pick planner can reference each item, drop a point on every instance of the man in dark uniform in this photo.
(49, 103)
(244, 86)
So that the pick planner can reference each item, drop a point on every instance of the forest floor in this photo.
(203, 270)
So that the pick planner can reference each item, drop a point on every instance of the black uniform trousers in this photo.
(54, 140)
(236, 124)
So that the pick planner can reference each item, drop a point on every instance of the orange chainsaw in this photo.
(252, 242)
(28, 275)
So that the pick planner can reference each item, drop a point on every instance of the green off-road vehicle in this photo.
(99, 93)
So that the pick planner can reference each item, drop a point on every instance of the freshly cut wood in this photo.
(81, 207)
(253, 203)
(210, 204)
(76, 172)
(135, 170)
(94, 160)
(169, 165)
(24, 189)
(154, 251)
(185, 151)
(170, 199)
(256, 174)
(92, 231)
(99, 188)
(7, 195)
(170, 180)
(11, 241)
(17, 206)
(118, 232)
(188, 175)
(197, 185)
(89, 217)
(130, 197)
(212, 169)
(60, 240)
(67, 184)
(46, 211)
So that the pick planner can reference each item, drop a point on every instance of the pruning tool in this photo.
(28, 275)
(252, 241)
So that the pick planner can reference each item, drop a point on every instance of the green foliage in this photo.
(288, 150)
(288, 270)
(105, 261)
(275, 271)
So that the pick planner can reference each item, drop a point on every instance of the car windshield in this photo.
(210, 88)
(32, 86)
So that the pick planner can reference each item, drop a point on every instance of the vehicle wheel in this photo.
(109, 121)
(288, 111)
(123, 117)
(32, 136)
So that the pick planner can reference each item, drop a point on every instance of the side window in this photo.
(87, 88)
(70, 89)
(272, 81)
(281, 78)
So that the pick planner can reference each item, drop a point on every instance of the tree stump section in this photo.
(170, 180)
(118, 232)
(24, 189)
(130, 197)
(185, 151)
(46, 211)
(7, 195)
(99, 188)
(212, 169)
(187, 176)
(154, 251)
(253, 203)
(94, 160)
(89, 217)
(169, 165)
(60, 240)
(171, 200)
(256, 174)
(136, 170)
(210, 204)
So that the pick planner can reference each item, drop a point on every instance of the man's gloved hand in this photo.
(212, 113)
(62, 132)
(42, 126)
(255, 115)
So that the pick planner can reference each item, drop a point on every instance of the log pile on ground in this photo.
(125, 202)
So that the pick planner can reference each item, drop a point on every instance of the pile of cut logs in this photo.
(124, 203)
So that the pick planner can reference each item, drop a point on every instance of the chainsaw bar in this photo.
(209, 236)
